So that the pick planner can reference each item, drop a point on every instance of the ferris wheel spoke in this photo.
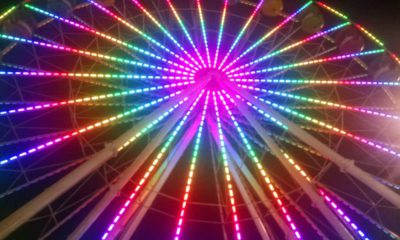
(307, 63)
(220, 32)
(339, 212)
(112, 227)
(318, 122)
(93, 98)
(4, 14)
(92, 54)
(108, 37)
(84, 129)
(94, 161)
(41, 73)
(289, 47)
(261, 169)
(242, 31)
(185, 31)
(306, 186)
(136, 30)
(189, 180)
(232, 202)
(166, 32)
(267, 35)
(203, 30)
(344, 81)
(320, 102)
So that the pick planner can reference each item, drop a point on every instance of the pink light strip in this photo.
(191, 172)
(320, 102)
(86, 129)
(220, 31)
(261, 169)
(93, 98)
(232, 202)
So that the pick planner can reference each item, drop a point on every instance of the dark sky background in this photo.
(381, 17)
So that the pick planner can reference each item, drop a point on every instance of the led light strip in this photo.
(268, 34)
(291, 46)
(316, 82)
(220, 32)
(166, 32)
(7, 12)
(86, 129)
(191, 171)
(144, 35)
(232, 202)
(253, 156)
(94, 98)
(150, 169)
(91, 54)
(108, 37)
(306, 63)
(203, 30)
(242, 31)
(329, 201)
(330, 127)
(362, 29)
(91, 75)
(320, 102)
(183, 27)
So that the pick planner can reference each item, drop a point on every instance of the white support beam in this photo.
(255, 185)
(127, 174)
(138, 210)
(343, 163)
(255, 215)
(24, 213)
(308, 188)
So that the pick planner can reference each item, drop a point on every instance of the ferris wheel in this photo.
(200, 119)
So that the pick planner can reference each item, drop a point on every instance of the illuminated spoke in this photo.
(184, 29)
(291, 46)
(165, 31)
(135, 29)
(220, 32)
(91, 75)
(92, 54)
(203, 30)
(86, 129)
(330, 127)
(191, 171)
(321, 102)
(228, 178)
(261, 169)
(151, 168)
(267, 35)
(91, 99)
(242, 31)
(307, 63)
(108, 37)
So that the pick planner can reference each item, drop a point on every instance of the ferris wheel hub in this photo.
(214, 77)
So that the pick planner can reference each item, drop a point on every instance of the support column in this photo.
(126, 175)
(346, 165)
(311, 192)
(257, 219)
(137, 211)
(256, 186)
(24, 213)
